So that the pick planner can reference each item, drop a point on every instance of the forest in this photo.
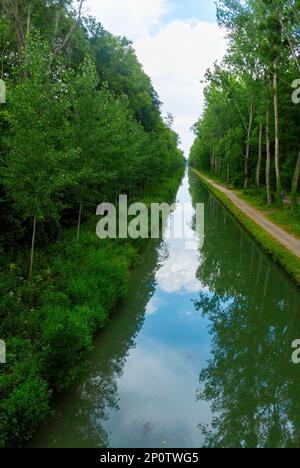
(248, 135)
(81, 124)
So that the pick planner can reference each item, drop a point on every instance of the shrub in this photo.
(24, 394)
(67, 334)
(23, 410)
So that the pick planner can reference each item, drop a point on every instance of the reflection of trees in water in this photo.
(253, 309)
(98, 394)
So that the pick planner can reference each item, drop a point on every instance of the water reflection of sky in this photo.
(178, 272)
(157, 391)
(157, 397)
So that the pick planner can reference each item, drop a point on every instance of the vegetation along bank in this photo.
(248, 135)
(81, 125)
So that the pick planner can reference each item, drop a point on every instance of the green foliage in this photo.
(260, 65)
(66, 335)
(81, 125)
(24, 401)
(49, 325)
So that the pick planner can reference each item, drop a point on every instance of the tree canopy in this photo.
(248, 134)
(82, 121)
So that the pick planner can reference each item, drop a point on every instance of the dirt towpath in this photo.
(285, 238)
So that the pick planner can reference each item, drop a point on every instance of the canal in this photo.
(199, 354)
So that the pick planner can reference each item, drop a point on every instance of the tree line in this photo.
(248, 134)
(81, 123)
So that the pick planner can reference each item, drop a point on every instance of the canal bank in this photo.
(282, 246)
(49, 326)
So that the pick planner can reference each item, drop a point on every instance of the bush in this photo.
(24, 394)
(67, 335)
(23, 410)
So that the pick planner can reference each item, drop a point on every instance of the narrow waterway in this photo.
(198, 355)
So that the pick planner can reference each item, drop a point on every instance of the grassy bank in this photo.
(49, 325)
(279, 253)
(284, 217)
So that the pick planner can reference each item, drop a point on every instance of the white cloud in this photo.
(153, 305)
(175, 56)
(178, 274)
(149, 413)
(130, 18)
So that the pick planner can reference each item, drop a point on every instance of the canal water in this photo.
(199, 355)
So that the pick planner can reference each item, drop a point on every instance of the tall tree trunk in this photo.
(28, 23)
(56, 23)
(32, 249)
(295, 182)
(215, 164)
(268, 159)
(61, 46)
(259, 161)
(248, 147)
(294, 9)
(292, 47)
(18, 24)
(79, 222)
(277, 153)
(228, 173)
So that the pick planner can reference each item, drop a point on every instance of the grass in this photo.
(289, 262)
(283, 217)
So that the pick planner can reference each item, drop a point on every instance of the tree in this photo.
(35, 167)
(255, 79)
(295, 183)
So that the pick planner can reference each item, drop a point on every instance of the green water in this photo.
(198, 355)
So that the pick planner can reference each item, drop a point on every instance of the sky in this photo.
(176, 41)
